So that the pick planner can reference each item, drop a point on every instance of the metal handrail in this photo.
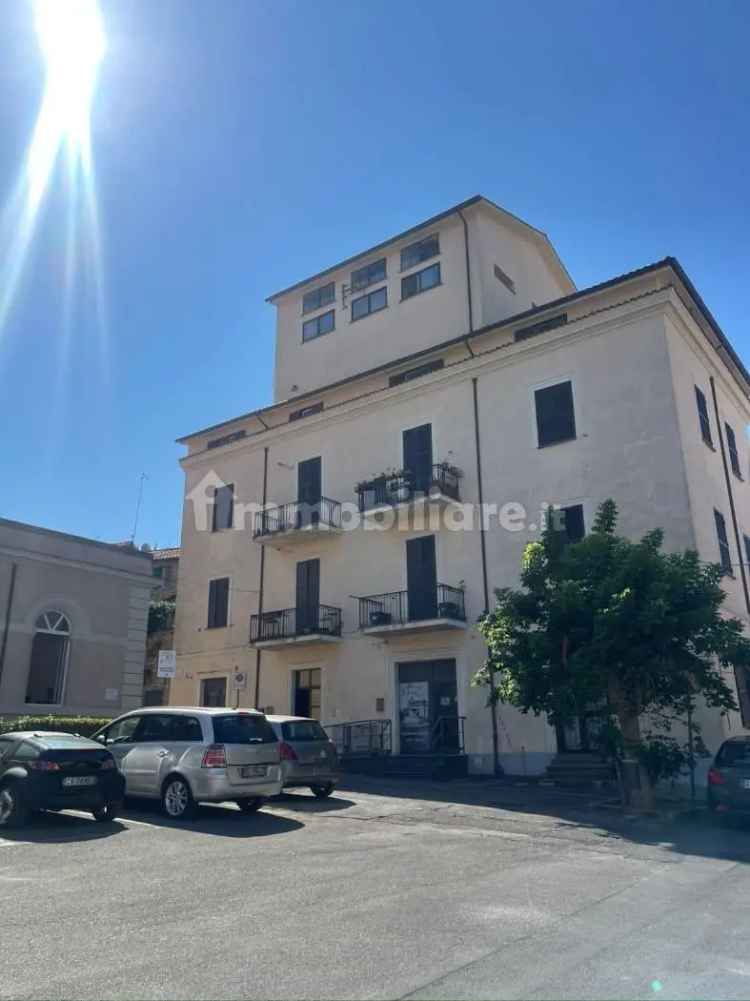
(366, 737)
(401, 488)
(392, 608)
(325, 513)
(289, 623)
(439, 736)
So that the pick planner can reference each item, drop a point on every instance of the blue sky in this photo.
(241, 145)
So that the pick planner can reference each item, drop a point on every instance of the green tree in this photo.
(613, 623)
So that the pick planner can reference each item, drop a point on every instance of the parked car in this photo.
(191, 754)
(56, 771)
(729, 778)
(308, 755)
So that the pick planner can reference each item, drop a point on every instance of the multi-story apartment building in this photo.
(432, 395)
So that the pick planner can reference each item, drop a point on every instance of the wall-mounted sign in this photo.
(167, 666)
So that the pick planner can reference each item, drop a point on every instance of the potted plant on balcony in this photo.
(444, 475)
(451, 609)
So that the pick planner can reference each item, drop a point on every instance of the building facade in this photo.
(73, 623)
(165, 569)
(433, 397)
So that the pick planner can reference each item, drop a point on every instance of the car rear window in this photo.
(241, 729)
(304, 729)
(734, 752)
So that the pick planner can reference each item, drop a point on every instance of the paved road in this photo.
(461, 892)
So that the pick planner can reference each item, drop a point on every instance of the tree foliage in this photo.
(615, 623)
(160, 616)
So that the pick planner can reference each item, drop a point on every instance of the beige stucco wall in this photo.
(103, 591)
(617, 351)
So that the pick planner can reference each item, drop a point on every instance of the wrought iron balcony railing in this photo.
(401, 607)
(405, 486)
(298, 515)
(294, 623)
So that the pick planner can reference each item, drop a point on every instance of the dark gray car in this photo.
(308, 755)
(729, 778)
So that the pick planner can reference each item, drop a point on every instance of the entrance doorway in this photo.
(428, 707)
(580, 734)
(306, 694)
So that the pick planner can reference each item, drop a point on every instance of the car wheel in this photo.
(250, 805)
(13, 812)
(107, 813)
(324, 791)
(176, 799)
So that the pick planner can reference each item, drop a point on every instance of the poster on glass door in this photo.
(414, 716)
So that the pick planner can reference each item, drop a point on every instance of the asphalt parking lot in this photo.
(383, 891)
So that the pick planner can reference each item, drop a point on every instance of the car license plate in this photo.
(746, 784)
(251, 771)
(79, 780)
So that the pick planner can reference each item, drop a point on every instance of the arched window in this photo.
(49, 658)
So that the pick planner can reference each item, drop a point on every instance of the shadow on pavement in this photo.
(50, 828)
(308, 803)
(222, 819)
(501, 802)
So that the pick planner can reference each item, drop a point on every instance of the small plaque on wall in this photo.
(111, 694)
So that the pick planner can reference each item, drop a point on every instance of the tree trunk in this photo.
(637, 790)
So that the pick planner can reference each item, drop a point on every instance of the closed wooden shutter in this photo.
(555, 417)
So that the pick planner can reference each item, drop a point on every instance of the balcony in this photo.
(404, 489)
(297, 522)
(293, 626)
(441, 608)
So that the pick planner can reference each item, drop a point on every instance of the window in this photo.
(122, 731)
(725, 557)
(524, 333)
(214, 692)
(570, 521)
(746, 540)
(420, 281)
(371, 303)
(416, 373)
(505, 279)
(157, 571)
(368, 275)
(297, 415)
(307, 693)
(319, 297)
(154, 728)
(555, 417)
(705, 424)
(732, 448)
(322, 324)
(243, 728)
(223, 507)
(218, 603)
(423, 250)
(733, 751)
(303, 731)
(187, 729)
(49, 658)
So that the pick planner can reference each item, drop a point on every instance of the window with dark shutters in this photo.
(218, 603)
(705, 423)
(569, 520)
(732, 449)
(555, 417)
(746, 539)
(223, 507)
(725, 557)
(742, 680)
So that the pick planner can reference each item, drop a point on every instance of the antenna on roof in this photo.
(138, 507)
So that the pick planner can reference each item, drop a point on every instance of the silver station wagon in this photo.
(308, 755)
(187, 755)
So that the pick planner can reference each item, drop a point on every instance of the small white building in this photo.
(432, 395)
(73, 617)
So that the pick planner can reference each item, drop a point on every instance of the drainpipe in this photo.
(8, 608)
(258, 652)
(468, 283)
(485, 584)
(732, 509)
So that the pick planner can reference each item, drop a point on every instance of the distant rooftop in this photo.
(165, 554)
